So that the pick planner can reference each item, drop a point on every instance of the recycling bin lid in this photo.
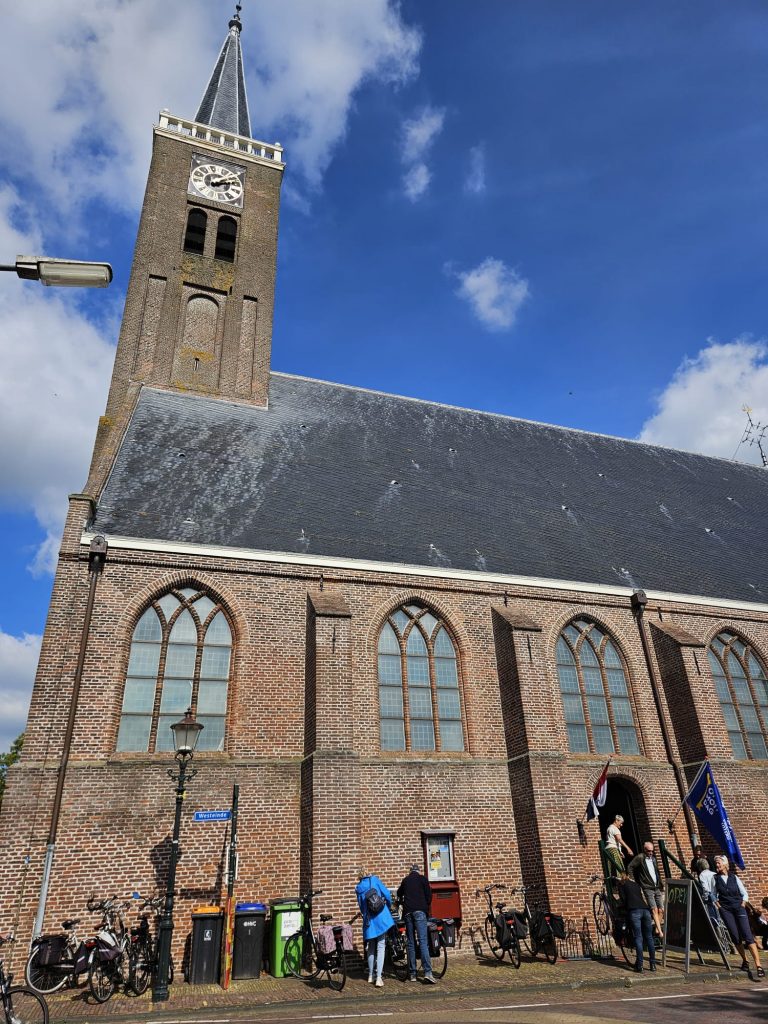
(205, 911)
(286, 901)
(242, 908)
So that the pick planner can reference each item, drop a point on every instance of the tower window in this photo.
(593, 683)
(419, 696)
(226, 237)
(742, 689)
(180, 657)
(194, 237)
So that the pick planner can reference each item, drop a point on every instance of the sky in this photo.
(551, 210)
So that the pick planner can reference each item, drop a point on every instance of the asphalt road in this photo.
(706, 1004)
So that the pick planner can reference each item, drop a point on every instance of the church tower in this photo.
(198, 312)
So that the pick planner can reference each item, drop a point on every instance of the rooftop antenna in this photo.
(754, 435)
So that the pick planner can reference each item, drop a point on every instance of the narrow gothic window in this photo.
(226, 237)
(742, 689)
(194, 238)
(419, 698)
(593, 684)
(180, 657)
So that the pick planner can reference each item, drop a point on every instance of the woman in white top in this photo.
(613, 844)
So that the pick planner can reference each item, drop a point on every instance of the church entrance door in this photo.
(625, 799)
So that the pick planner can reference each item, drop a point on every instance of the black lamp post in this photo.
(185, 736)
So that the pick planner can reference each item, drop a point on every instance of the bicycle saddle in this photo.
(326, 917)
(70, 924)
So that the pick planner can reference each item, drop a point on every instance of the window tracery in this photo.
(742, 689)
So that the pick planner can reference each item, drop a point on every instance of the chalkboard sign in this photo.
(686, 921)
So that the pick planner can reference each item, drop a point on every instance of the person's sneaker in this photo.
(413, 978)
(379, 983)
(638, 968)
(652, 967)
(430, 979)
(370, 979)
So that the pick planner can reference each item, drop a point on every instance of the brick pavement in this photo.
(466, 974)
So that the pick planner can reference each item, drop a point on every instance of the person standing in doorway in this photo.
(644, 868)
(613, 845)
(415, 894)
(731, 899)
(375, 902)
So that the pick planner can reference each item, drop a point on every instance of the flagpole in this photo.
(671, 821)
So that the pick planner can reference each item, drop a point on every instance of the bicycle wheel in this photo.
(624, 944)
(26, 1007)
(548, 946)
(336, 968)
(440, 961)
(397, 957)
(300, 957)
(140, 968)
(601, 913)
(514, 951)
(43, 978)
(490, 938)
(102, 979)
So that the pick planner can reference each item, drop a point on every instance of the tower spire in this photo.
(225, 104)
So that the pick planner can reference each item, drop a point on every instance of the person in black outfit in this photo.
(415, 895)
(732, 897)
(640, 919)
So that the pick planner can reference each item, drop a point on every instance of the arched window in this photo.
(226, 238)
(194, 237)
(419, 699)
(593, 684)
(742, 688)
(180, 657)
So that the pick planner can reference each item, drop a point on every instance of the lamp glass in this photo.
(186, 733)
(60, 274)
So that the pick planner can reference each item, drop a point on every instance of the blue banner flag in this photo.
(706, 803)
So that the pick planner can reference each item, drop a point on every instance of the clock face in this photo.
(221, 183)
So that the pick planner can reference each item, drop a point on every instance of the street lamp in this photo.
(185, 736)
(61, 273)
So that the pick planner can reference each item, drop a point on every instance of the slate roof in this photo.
(339, 471)
(225, 104)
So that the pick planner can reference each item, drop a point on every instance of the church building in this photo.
(412, 632)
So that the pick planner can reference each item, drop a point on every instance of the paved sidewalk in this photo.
(466, 975)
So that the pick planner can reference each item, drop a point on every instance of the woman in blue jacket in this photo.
(376, 924)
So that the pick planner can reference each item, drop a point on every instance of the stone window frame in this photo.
(759, 706)
(229, 219)
(402, 637)
(575, 649)
(186, 601)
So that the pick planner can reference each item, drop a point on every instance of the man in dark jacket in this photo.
(644, 868)
(415, 895)
(640, 920)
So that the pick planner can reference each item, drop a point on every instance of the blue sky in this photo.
(552, 210)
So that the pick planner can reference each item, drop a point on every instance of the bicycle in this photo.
(142, 950)
(20, 1005)
(396, 946)
(438, 954)
(493, 927)
(541, 937)
(110, 960)
(607, 914)
(302, 955)
(57, 960)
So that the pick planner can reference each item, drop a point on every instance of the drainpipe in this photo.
(97, 556)
(638, 602)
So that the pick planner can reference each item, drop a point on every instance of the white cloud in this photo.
(495, 293)
(56, 368)
(18, 663)
(700, 409)
(419, 133)
(474, 183)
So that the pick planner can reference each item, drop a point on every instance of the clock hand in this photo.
(223, 181)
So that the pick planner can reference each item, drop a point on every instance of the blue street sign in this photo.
(212, 815)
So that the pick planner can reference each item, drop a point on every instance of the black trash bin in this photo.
(205, 961)
(250, 925)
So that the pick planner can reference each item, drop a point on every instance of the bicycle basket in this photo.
(82, 956)
(503, 932)
(344, 934)
(449, 932)
(557, 924)
(521, 925)
(51, 950)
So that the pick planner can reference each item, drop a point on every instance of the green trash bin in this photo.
(285, 920)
